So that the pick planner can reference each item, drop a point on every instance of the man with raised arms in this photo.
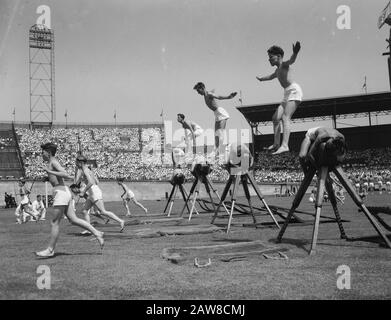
(292, 96)
(221, 115)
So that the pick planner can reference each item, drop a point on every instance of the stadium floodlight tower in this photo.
(41, 72)
(385, 18)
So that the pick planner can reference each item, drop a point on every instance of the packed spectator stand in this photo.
(128, 153)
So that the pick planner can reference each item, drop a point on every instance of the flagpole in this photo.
(164, 142)
(66, 119)
(14, 115)
(115, 118)
(366, 92)
(365, 85)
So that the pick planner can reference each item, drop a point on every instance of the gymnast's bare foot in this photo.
(122, 225)
(101, 240)
(271, 148)
(281, 150)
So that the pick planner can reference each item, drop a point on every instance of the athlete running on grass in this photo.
(62, 203)
(127, 196)
(93, 192)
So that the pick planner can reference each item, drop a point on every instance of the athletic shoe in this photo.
(47, 253)
(85, 232)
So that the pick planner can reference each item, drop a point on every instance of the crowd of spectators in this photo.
(116, 151)
(135, 155)
(358, 163)
(6, 141)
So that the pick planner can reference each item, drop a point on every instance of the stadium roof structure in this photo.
(353, 106)
(25, 124)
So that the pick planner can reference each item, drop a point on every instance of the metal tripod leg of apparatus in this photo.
(296, 201)
(355, 197)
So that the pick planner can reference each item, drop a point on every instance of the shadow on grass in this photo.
(232, 240)
(299, 243)
(373, 239)
(100, 225)
(59, 254)
(128, 236)
(79, 234)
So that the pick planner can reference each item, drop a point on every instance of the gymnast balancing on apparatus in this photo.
(292, 96)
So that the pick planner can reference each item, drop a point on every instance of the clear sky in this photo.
(139, 56)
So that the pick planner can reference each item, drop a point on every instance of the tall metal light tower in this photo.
(41, 70)
(385, 17)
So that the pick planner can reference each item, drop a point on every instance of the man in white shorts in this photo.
(93, 192)
(24, 209)
(365, 184)
(39, 207)
(371, 183)
(221, 115)
(316, 136)
(338, 190)
(293, 96)
(127, 196)
(192, 132)
(380, 183)
(22, 216)
(62, 203)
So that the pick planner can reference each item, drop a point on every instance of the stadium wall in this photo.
(357, 138)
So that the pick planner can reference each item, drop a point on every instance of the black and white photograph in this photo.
(195, 155)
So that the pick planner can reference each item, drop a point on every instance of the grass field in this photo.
(132, 268)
